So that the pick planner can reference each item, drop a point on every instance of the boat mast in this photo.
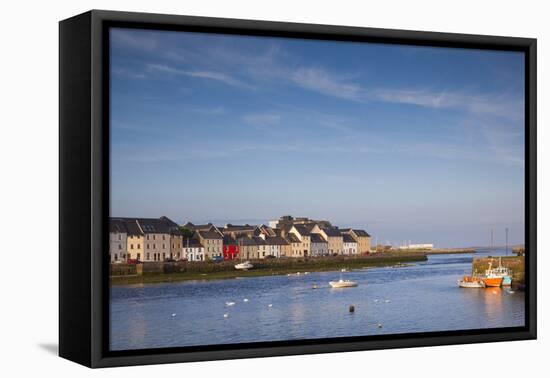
(506, 241)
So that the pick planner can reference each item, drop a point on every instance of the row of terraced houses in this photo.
(161, 239)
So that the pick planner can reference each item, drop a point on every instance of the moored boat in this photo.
(492, 281)
(244, 266)
(503, 272)
(493, 277)
(342, 284)
(471, 282)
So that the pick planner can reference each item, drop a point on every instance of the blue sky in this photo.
(411, 143)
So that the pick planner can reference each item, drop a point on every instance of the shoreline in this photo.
(217, 271)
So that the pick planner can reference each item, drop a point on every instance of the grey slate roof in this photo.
(316, 238)
(246, 241)
(302, 229)
(332, 232)
(209, 234)
(348, 238)
(191, 243)
(291, 238)
(140, 226)
(361, 233)
(275, 240)
(117, 225)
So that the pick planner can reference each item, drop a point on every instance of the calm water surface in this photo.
(419, 298)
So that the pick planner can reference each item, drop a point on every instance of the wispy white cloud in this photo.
(209, 75)
(321, 81)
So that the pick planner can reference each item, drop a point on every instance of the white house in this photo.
(193, 250)
(275, 245)
(350, 245)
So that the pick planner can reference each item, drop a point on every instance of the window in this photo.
(131, 246)
(147, 246)
(138, 256)
(148, 256)
(153, 237)
(154, 246)
(119, 237)
(116, 257)
(138, 246)
(119, 246)
(164, 246)
(147, 237)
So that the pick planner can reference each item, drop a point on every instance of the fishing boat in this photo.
(340, 284)
(471, 282)
(492, 279)
(244, 266)
(503, 272)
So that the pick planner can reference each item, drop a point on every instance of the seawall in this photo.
(181, 270)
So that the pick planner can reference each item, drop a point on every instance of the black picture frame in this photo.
(84, 187)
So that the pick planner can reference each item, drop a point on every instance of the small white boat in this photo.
(470, 283)
(342, 284)
(244, 266)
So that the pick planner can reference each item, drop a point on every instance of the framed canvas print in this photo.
(234, 188)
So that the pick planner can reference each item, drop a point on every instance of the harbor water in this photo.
(423, 297)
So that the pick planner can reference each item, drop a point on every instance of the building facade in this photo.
(362, 238)
(319, 246)
(192, 250)
(349, 245)
(212, 241)
(248, 248)
(302, 232)
(335, 241)
(118, 237)
(230, 248)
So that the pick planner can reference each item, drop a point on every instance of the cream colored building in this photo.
(294, 246)
(176, 246)
(276, 246)
(303, 233)
(335, 240)
(118, 236)
(212, 241)
(362, 238)
(248, 248)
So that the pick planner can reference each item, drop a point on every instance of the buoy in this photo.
(245, 300)
(270, 305)
(229, 303)
(174, 314)
(225, 315)
(351, 308)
